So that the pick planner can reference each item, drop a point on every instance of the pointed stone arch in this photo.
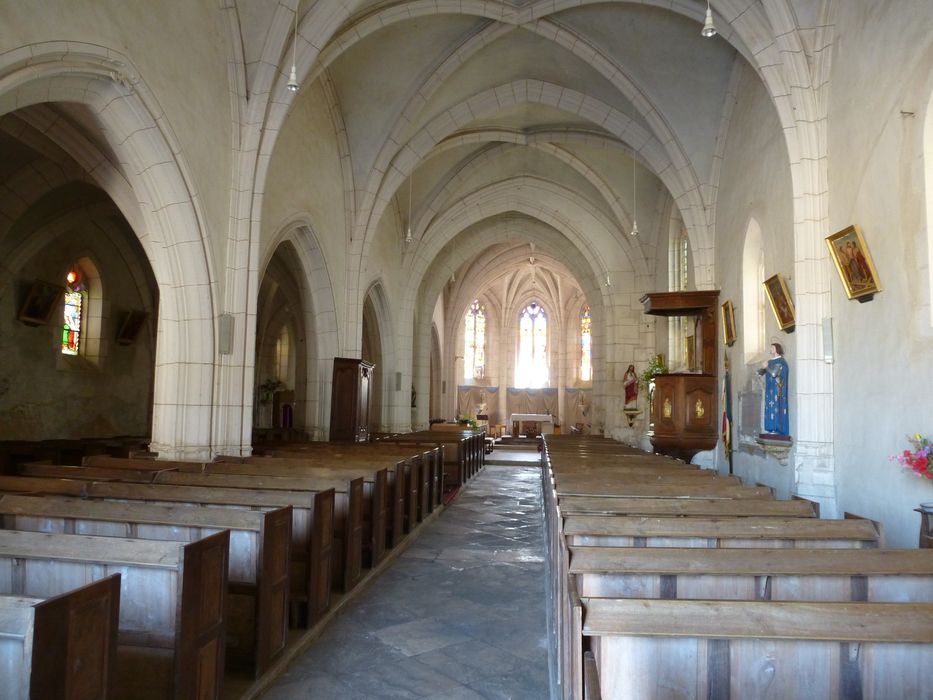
(318, 321)
(173, 235)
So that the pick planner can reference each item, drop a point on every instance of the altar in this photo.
(546, 420)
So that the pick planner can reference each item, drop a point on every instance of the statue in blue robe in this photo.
(777, 374)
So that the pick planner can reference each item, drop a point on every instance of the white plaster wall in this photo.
(689, 99)
(755, 183)
(883, 372)
(305, 177)
(181, 54)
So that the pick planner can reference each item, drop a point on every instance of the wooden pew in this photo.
(312, 554)
(417, 480)
(710, 507)
(379, 519)
(459, 460)
(390, 492)
(586, 486)
(431, 459)
(171, 605)
(258, 566)
(858, 575)
(740, 649)
(348, 510)
(61, 647)
(25, 484)
(627, 531)
(347, 513)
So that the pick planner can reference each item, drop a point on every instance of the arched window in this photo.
(753, 293)
(586, 345)
(531, 371)
(283, 357)
(73, 312)
(474, 342)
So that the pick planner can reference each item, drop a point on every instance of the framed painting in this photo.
(728, 323)
(781, 303)
(854, 264)
(40, 299)
(690, 352)
(131, 325)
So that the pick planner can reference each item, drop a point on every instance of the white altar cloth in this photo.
(545, 419)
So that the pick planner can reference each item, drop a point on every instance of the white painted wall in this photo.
(883, 374)
(754, 183)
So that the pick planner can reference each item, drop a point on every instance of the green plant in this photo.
(655, 367)
(464, 420)
(267, 389)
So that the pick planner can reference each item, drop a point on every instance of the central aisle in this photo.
(460, 615)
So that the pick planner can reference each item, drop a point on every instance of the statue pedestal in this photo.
(778, 446)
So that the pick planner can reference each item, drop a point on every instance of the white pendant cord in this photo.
(292, 84)
(634, 197)
(408, 238)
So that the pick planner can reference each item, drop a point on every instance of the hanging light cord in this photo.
(634, 197)
(408, 232)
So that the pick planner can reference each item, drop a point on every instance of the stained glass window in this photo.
(586, 345)
(474, 342)
(531, 371)
(71, 328)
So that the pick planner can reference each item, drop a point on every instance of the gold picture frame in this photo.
(781, 303)
(728, 323)
(853, 263)
(690, 352)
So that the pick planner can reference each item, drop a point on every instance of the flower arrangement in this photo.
(467, 421)
(916, 460)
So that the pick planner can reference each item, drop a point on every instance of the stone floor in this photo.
(460, 615)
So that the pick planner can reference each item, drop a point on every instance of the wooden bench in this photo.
(740, 649)
(61, 647)
(347, 512)
(417, 479)
(258, 566)
(378, 520)
(462, 459)
(431, 458)
(586, 486)
(312, 553)
(690, 507)
(858, 575)
(630, 531)
(171, 639)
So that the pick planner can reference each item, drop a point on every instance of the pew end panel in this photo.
(73, 644)
(199, 658)
(648, 649)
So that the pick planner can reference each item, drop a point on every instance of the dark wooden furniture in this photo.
(172, 626)
(684, 414)
(258, 573)
(63, 647)
(683, 407)
(350, 400)
(926, 528)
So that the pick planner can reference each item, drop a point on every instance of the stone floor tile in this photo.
(459, 615)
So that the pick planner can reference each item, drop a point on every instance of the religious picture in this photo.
(781, 303)
(728, 323)
(854, 264)
(776, 374)
(41, 299)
